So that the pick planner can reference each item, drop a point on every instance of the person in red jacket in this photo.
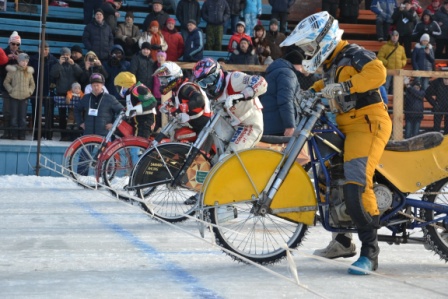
(174, 40)
(237, 36)
(3, 57)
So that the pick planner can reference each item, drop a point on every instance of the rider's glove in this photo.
(233, 99)
(332, 90)
(165, 107)
(183, 117)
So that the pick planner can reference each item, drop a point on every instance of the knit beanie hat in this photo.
(76, 84)
(146, 45)
(15, 38)
(171, 20)
(22, 57)
(76, 48)
(191, 21)
(65, 50)
(424, 37)
(241, 23)
(294, 56)
(154, 24)
(161, 53)
(273, 21)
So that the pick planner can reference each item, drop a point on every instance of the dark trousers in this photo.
(18, 117)
(89, 8)
(6, 114)
(406, 41)
(282, 17)
(441, 44)
(382, 29)
(438, 121)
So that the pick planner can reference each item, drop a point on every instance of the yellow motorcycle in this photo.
(260, 200)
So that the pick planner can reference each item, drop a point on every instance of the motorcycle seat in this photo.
(273, 139)
(416, 143)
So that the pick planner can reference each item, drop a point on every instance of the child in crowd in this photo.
(423, 58)
(73, 95)
(19, 83)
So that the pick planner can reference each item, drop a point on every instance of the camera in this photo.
(91, 59)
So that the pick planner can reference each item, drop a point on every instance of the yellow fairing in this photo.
(411, 171)
(229, 183)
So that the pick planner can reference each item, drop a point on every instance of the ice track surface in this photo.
(58, 240)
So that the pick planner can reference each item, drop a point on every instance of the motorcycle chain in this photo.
(420, 220)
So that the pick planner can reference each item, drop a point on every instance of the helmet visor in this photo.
(208, 81)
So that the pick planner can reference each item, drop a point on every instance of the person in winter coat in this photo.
(279, 113)
(114, 66)
(429, 26)
(433, 7)
(405, 18)
(174, 41)
(96, 111)
(383, 10)
(349, 11)
(275, 38)
(236, 11)
(423, 58)
(11, 51)
(413, 109)
(187, 10)
(215, 13)
(194, 44)
(437, 95)
(280, 11)
(111, 12)
(127, 35)
(98, 37)
(261, 45)
(155, 37)
(142, 66)
(157, 14)
(237, 36)
(91, 65)
(49, 61)
(393, 56)
(64, 74)
(252, 13)
(441, 17)
(244, 53)
(19, 83)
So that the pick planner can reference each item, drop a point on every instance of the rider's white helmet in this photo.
(317, 35)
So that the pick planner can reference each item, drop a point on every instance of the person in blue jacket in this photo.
(279, 113)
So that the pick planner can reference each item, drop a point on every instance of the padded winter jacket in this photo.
(397, 60)
(215, 12)
(278, 101)
(98, 38)
(19, 81)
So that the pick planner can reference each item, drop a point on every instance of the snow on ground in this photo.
(58, 240)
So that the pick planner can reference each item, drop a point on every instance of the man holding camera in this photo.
(63, 75)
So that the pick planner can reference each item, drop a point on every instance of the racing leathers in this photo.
(246, 115)
(364, 120)
(140, 106)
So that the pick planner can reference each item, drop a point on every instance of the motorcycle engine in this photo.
(337, 209)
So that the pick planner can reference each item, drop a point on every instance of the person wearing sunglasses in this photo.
(12, 51)
(240, 93)
(352, 79)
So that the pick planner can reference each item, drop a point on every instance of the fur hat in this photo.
(23, 57)
(15, 38)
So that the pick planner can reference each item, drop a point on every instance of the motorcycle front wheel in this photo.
(259, 238)
(159, 166)
(437, 235)
(81, 163)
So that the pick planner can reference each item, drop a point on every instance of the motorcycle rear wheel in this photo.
(436, 236)
(260, 239)
(166, 201)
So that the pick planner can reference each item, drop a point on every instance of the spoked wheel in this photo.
(437, 235)
(261, 239)
(159, 166)
(82, 163)
(116, 170)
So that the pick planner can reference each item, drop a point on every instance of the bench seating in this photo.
(366, 15)
(358, 29)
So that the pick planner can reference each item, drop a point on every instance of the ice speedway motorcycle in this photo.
(259, 200)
